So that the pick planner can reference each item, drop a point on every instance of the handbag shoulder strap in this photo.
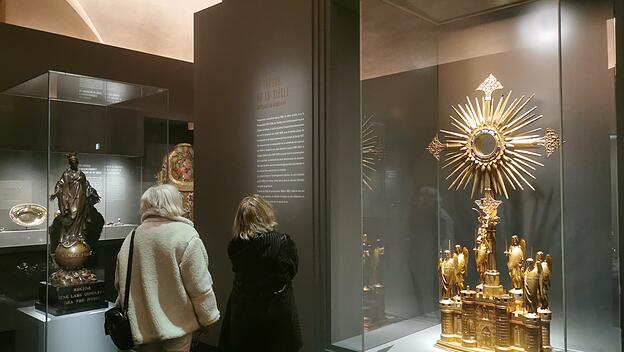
(129, 274)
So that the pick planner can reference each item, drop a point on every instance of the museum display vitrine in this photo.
(76, 153)
(489, 180)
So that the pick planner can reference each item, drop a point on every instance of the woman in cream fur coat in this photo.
(171, 292)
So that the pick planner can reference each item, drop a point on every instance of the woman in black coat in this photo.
(261, 314)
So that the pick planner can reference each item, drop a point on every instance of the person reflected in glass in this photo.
(261, 314)
(171, 294)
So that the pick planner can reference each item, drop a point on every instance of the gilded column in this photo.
(545, 317)
(532, 333)
(380, 303)
(518, 300)
(457, 317)
(448, 323)
(469, 316)
(503, 323)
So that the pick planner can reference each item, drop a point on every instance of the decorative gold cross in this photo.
(488, 204)
(489, 86)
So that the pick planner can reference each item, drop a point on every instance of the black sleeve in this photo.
(230, 249)
(289, 259)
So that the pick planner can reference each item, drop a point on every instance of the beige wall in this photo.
(160, 27)
(49, 16)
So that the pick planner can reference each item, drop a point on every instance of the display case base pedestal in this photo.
(71, 299)
(79, 332)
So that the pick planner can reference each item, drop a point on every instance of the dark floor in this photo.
(202, 348)
(7, 341)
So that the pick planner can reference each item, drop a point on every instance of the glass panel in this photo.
(419, 59)
(23, 239)
(592, 287)
(83, 89)
(99, 131)
(400, 205)
(519, 45)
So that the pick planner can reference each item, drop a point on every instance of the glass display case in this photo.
(489, 180)
(76, 153)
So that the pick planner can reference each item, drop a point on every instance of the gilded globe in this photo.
(73, 257)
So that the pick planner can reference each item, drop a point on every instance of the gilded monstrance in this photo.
(493, 148)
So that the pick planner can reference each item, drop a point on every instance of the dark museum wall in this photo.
(250, 69)
(619, 106)
(27, 53)
(344, 172)
(235, 52)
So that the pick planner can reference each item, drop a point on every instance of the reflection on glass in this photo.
(48, 122)
(418, 59)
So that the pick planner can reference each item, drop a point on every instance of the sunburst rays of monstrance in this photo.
(493, 147)
(372, 151)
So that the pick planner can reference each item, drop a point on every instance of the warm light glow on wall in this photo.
(160, 27)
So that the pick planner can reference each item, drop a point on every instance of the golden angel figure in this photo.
(376, 256)
(482, 254)
(488, 219)
(446, 269)
(461, 265)
(366, 259)
(545, 262)
(531, 288)
(515, 258)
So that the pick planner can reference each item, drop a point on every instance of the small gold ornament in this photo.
(435, 147)
(489, 86)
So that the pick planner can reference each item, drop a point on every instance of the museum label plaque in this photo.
(280, 144)
(71, 299)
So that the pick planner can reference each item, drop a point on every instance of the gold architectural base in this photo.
(475, 322)
(457, 346)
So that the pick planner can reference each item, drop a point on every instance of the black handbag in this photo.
(116, 322)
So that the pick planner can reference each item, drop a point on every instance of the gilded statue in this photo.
(488, 219)
(78, 225)
(482, 253)
(545, 262)
(515, 258)
(531, 287)
(446, 269)
(461, 259)
(366, 259)
(376, 256)
(75, 195)
(373, 290)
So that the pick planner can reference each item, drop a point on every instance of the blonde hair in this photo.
(161, 200)
(254, 216)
